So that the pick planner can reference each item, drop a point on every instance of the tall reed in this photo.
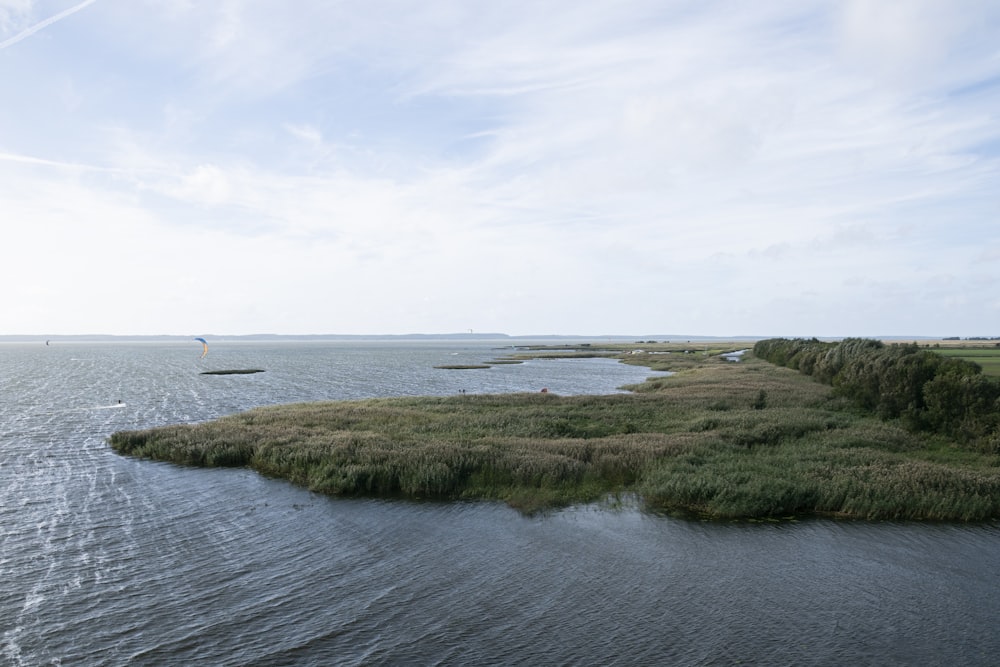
(718, 439)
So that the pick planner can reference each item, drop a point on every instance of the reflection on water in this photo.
(108, 560)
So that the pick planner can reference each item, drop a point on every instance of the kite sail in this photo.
(204, 345)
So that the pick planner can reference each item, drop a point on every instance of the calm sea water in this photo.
(106, 560)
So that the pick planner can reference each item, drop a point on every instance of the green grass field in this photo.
(987, 357)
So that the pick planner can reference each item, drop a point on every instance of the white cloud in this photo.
(916, 44)
(207, 184)
(639, 167)
(307, 133)
(13, 14)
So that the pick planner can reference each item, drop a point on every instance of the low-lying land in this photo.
(234, 371)
(717, 439)
(988, 358)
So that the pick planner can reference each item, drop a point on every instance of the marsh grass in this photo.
(717, 439)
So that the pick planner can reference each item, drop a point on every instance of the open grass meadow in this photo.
(987, 357)
(718, 439)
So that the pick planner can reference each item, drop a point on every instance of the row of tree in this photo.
(927, 391)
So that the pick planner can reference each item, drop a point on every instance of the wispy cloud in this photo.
(659, 166)
(55, 164)
(28, 32)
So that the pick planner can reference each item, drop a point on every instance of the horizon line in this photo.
(481, 336)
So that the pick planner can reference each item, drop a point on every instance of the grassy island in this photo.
(235, 371)
(718, 439)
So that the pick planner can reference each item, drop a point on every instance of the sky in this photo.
(702, 167)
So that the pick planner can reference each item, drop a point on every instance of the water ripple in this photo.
(112, 561)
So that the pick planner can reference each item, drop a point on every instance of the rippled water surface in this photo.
(106, 560)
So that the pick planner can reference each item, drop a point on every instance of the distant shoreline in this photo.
(470, 337)
(505, 339)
